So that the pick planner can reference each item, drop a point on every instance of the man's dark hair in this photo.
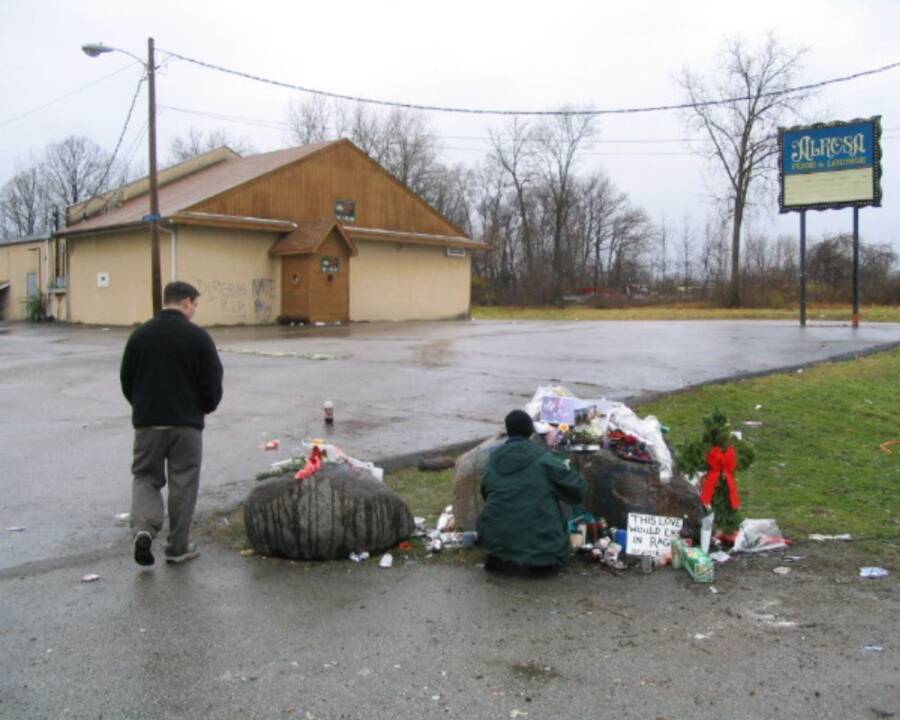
(177, 291)
(519, 424)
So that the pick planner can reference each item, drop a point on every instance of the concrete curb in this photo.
(635, 401)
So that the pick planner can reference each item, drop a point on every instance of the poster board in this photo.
(651, 534)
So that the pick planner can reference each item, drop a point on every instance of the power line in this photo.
(539, 113)
(63, 97)
(112, 157)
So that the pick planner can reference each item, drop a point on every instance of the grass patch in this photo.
(427, 493)
(819, 467)
(685, 311)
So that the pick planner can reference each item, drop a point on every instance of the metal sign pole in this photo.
(803, 268)
(856, 267)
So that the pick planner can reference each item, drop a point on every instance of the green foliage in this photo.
(692, 459)
(34, 307)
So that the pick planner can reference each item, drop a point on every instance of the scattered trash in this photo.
(694, 560)
(446, 521)
(757, 407)
(873, 572)
(701, 636)
(387, 560)
(15, 529)
(470, 538)
(123, 518)
(799, 371)
(874, 648)
(820, 538)
(781, 570)
(359, 557)
(328, 411)
(517, 713)
(714, 590)
(737, 434)
(706, 528)
(272, 445)
(752, 423)
(405, 546)
(795, 558)
(758, 536)
(720, 556)
(89, 578)
(247, 552)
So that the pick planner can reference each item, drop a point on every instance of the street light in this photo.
(93, 50)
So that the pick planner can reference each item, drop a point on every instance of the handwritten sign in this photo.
(651, 534)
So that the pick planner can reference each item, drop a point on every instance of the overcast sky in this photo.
(515, 55)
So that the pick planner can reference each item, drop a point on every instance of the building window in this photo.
(345, 210)
(331, 264)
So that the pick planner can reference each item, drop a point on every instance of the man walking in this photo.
(172, 376)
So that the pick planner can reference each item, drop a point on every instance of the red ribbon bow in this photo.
(720, 462)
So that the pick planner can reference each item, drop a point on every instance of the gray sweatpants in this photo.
(163, 455)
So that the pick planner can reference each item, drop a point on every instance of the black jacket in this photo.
(171, 372)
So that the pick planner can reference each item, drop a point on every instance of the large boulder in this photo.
(338, 510)
(615, 487)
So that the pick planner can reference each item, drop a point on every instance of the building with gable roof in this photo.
(318, 233)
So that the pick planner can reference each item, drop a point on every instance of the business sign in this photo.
(829, 166)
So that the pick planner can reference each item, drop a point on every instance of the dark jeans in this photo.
(164, 455)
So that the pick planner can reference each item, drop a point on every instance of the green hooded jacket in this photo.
(522, 521)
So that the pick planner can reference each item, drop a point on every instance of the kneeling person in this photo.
(522, 524)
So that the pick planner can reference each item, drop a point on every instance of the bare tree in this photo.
(686, 245)
(663, 249)
(559, 141)
(511, 150)
(742, 130)
(310, 120)
(24, 203)
(194, 143)
(76, 169)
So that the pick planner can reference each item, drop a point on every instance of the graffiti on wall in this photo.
(241, 301)
(263, 298)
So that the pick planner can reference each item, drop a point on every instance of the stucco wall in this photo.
(407, 282)
(237, 280)
(16, 261)
(125, 257)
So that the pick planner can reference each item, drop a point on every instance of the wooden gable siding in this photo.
(307, 189)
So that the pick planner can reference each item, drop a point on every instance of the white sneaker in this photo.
(189, 553)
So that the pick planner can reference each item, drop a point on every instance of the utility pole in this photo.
(155, 273)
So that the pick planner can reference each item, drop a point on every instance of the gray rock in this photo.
(336, 511)
(616, 487)
(467, 500)
(438, 462)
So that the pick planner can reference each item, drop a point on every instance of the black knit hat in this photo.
(518, 424)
